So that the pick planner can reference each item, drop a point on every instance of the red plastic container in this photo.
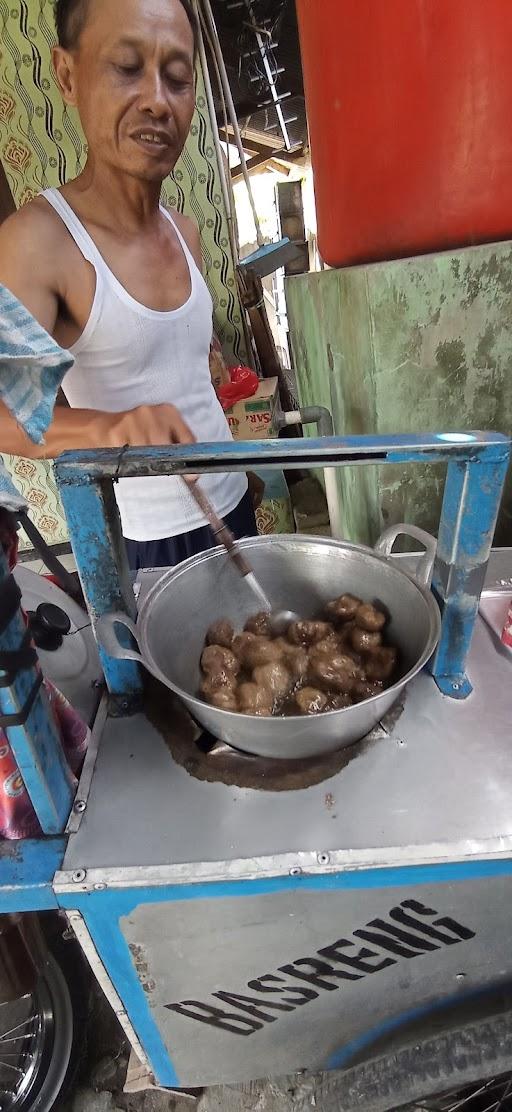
(410, 114)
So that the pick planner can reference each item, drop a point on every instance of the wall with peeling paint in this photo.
(416, 345)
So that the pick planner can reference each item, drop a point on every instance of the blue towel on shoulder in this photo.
(10, 499)
(32, 367)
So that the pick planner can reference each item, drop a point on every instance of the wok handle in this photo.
(385, 543)
(105, 630)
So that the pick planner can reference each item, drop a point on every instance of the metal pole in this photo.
(233, 116)
(471, 502)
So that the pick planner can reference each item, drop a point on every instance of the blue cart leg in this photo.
(100, 555)
(468, 519)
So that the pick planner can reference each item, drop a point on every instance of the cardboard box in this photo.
(253, 419)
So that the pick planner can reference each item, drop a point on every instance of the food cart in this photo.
(251, 918)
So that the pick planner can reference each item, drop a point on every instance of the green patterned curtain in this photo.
(42, 145)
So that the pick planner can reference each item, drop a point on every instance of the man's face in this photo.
(132, 80)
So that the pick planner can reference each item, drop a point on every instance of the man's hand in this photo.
(146, 425)
(256, 489)
(89, 428)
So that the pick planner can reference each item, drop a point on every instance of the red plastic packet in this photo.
(506, 636)
(244, 384)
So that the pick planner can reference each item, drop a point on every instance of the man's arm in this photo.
(27, 255)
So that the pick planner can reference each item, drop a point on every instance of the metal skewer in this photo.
(281, 619)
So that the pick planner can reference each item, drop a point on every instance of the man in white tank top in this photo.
(117, 280)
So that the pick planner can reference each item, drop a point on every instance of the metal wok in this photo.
(300, 573)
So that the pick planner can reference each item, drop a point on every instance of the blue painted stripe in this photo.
(27, 869)
(115, 955)
(341, 1059)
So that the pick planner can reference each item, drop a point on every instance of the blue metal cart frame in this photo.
(477, 466)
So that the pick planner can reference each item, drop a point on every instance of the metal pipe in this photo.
(66, 580)
(218, 149)
(320, 416)
(275, 98)
(225, 178)
(333, 504)
(232, 112)
(239, 455)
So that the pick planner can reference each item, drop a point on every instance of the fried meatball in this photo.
(240, 644)
(254, 699)
(221, 633)
(307, 633)
(330, 644)
(310, 701)
(259, 624)
(334, 671)
(262, 651)
(295, 658)
(365, 642)
(339, 702)
(219, 679)
(365, 689)
(215, 660)
(275, 678)
(380, 664)
(344, 633)
(370, 618)
(224, 697)
(344, 608)
(340, 662)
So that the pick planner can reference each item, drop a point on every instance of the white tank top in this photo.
(129, 355)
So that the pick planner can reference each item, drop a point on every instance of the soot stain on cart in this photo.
(142, 967)
(234, 769)
(394, 713)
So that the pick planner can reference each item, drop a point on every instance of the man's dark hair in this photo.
(71, 15)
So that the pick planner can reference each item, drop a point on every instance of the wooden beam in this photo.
(250, 135)
(255, 163)
(291, 160)
(253, 142)
(279, 167)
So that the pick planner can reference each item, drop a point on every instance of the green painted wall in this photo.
(414, 345)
